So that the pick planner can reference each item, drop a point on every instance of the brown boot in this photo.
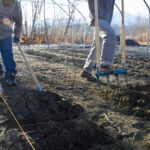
(88, 76)
(106, 69)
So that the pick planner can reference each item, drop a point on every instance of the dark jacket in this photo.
(14, 13)
(105, 9)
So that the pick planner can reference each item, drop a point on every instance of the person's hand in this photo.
(7, 22)
(16, 40)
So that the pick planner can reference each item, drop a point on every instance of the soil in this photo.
(72, 113)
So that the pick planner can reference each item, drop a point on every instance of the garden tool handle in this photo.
(97, 38)
(30, 69)
(123, 35)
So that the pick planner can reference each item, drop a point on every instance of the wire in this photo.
(17, 122)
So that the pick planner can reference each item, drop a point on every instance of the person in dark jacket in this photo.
(10, 14)
(107, 35)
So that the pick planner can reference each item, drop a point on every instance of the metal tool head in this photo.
(39, 88)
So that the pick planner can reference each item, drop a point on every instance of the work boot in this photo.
(106, 69)
(88, 76)
(10, 79)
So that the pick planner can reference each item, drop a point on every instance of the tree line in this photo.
(66, 23)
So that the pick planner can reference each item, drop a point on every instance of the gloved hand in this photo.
(16, 40)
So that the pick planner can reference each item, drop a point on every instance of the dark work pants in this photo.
(7, 55)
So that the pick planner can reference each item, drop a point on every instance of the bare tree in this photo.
(36, 10)
(62, 27)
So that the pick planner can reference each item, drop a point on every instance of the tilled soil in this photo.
(51, 122)
(72, 113)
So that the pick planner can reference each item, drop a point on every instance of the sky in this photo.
(133, 7)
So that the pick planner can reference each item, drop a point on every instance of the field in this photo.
(72, 113)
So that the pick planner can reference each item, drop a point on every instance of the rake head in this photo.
(39, 88)
(115, 72)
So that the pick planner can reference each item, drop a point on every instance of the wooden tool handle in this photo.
(97, 38)
(30, 69)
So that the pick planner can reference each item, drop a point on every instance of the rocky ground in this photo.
(72, 113)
